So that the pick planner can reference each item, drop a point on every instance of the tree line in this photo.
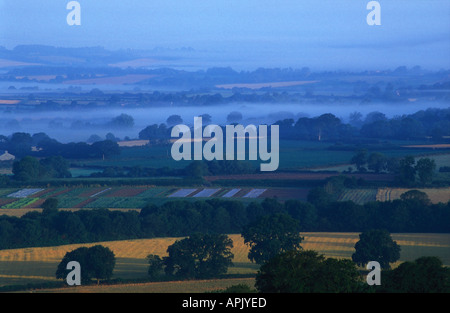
(432, 123)
(408, 172)
(41, 145)
(412, 213)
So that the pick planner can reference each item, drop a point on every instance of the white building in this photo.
(5, 156)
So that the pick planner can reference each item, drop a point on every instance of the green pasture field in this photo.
(21, 203)
(64, 202)
(83, 172)
(121, 203)
(294, 155)
(146, 156)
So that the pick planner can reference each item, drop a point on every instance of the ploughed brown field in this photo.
(299, 176)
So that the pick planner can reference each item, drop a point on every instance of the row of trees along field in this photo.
(41, 145)
(407, 170)
(412, 213)
(433, 123)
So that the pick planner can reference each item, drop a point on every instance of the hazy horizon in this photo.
(258, 113)
(245, 34)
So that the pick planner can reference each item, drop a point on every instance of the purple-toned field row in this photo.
(206, 193)
(23, 193)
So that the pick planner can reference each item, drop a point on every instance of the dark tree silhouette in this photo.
(199, 256)
(424, 275)
(307, 272)
(376, 245)
(96, 262)
(270, 235)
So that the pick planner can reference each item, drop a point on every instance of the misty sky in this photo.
(321, 34)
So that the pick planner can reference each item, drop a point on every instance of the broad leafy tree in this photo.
(122, 121)
(27, 169)
(376, 245)
(50, 205)
(407, 171)
(417, 196)
(270, 235)
(360, 159)
(155, 266)
(425, 168)
(307, 272)
(96, 262)
(319, 197)
(174, 120)
(376, 162)
(424, 275)
(199, 256)
(56, 166)
(304, 212)
(106, 148)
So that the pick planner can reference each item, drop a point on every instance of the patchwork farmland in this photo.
(133, 197)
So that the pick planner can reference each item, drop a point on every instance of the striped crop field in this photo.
(255, 193)
(126, 192)
(359, 196)
(32, 265)
(436, 195)
(182, 193)
(133, 197)
(23, 193)
(231, 193)
(136, 197)
(100, 192)
(21, 203)
(81, 197)
(206, 193)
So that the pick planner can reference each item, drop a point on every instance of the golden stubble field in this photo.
(436, 195)
(34, 265)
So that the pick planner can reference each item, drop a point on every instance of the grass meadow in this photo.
(295, 155)
(435, 195)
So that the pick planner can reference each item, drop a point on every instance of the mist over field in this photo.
(359, 92)
(319, 36)
(256, 114)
